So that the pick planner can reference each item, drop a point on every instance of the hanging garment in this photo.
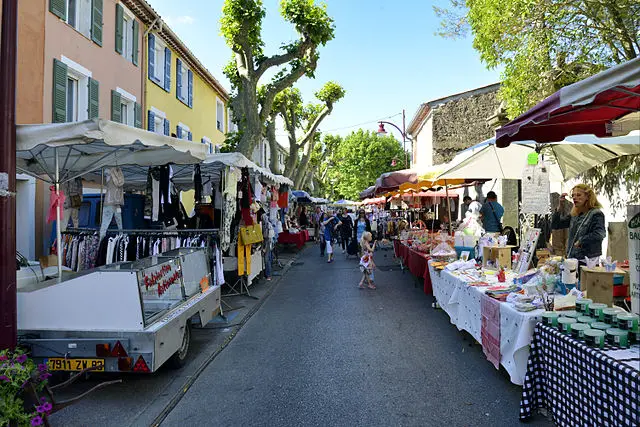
(244, 259)
(114, 194)
(108, 213)
(197, 183)
(56, 201)
(219, 270)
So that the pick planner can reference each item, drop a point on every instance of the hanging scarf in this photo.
(56, 201)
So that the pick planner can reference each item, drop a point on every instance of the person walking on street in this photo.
(362, 224)
(318, 218)
(346, 230)
(367, 266)
(492, 213)
(331, 224)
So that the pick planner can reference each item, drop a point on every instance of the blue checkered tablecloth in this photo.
(578, 385)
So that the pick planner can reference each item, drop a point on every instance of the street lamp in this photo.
(382, 132)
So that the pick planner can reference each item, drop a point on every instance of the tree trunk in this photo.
(302, 168)
(273, 145)
(252, 129)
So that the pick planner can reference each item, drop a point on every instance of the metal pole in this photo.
(8, 52)
(404, 140)
(448, 203)
(58, 224)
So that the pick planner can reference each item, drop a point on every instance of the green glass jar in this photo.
(550, 318)
(628, 322)
(565, 323)
(595, 310)
(577, 330)
(594, 338)
(618, 337)
(586, 319)
(582, 305)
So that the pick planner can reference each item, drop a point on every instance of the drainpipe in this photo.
(145, 71)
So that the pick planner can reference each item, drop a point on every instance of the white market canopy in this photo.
(83, 147)
(567, 159)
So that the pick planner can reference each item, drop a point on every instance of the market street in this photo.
(320, 351)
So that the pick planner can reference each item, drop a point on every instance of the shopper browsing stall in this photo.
(492, 213)
(585, 222)
(362, 224)
(346, 229)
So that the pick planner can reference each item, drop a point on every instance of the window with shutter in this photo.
(58, 8)
(119, 27)
(59, 92)
(220, 116)
(136, 31)
(179, 79)
(151, 54)
(96, 21)
(167, 69)
(167, 127)
(116, 110)
(179, 132)
(190, 82)
(151, 121)
(189, 136)
(137, 115)
(94, 99)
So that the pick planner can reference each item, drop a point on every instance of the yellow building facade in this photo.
(182, 98)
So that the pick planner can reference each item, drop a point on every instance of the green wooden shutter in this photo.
(94, 99)
(116, 106)
(96, 21)
(58, 8)
(119, 27)
(59, 92)
(136, 30)
(137, 116)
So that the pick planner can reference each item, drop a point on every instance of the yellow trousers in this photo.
(244, 256)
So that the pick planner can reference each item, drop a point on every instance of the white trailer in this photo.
(124, 317)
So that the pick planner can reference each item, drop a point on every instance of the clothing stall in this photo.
(135, 312)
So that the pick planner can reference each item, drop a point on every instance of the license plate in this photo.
(61, 364)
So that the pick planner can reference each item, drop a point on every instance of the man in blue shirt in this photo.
(492, 213)
(331, 224)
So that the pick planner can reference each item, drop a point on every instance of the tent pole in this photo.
(446, 186)
(101, 194)
(58, 225)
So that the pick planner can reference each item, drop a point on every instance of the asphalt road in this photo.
(320, 351)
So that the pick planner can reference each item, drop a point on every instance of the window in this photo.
(157, 122)
(207, 141)
(183, 132)
(75, 93)
(231, 127)
(159, 62)
(127, 29)
(72, 100)
(220, 116)
(184, 83)
(125, 109)
(83, 15)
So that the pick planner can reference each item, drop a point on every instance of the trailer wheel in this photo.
(179, 359)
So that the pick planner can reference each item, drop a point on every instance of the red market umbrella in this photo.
(390, 181)
(585, 107)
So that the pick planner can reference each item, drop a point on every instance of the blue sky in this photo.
(385, 55)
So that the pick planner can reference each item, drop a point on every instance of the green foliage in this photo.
(18, 374)
(231, 142)
(241, 25)
(330, 93)
(358, 160)
(608, 177)
(309, 19)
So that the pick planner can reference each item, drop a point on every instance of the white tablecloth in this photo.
(462, 303)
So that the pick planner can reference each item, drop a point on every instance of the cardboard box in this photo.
(48, 261)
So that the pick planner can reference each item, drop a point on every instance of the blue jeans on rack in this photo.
(268, 260)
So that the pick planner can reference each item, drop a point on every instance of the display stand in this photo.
(598, 283)
(527, 250)
(500, 255)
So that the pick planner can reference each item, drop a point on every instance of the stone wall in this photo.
(461, 123)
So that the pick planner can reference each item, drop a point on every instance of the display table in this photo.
(579, 385)
(417, 262)
(463, 305)
(297, 239)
